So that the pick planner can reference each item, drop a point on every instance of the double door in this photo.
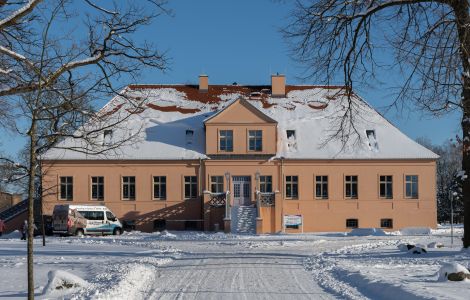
(241, 190)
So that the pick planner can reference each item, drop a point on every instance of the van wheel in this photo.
(79, 232)
(117, 231)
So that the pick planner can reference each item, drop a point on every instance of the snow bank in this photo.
(12, 235)
(416, 231)
(62, 282)
(448, 268)
(435, 245)
(367, 232)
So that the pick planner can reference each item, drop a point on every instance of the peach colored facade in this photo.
(178, 211)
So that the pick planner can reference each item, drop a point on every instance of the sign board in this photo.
(292, 220)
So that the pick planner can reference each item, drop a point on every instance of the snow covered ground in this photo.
(191, 265)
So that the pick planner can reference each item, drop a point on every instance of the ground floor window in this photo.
(190, 187)
(411, 182)
(97, 188)
(217, 184)
(128, 187)
(386, 223)
(321, 187)
(352, 223)
(386, 187)
(159, 187)
(266, 184)
(292, 187)
(350, 188)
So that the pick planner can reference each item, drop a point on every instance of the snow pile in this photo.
(450, 268)
(12, 235)
(434, 245)
(418, 250)
(367, 232)
(62, 282)
(416, 231)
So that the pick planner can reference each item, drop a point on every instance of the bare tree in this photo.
(429, 40)
(57, 59)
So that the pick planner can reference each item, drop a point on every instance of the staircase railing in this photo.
(266, 199)
(14, 210)
(217, 199)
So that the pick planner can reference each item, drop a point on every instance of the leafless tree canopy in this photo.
(349, 38)
(430, 43)
(57, 58)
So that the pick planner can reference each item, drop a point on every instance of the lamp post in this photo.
(451, 218)
(227, 196)
(257, 175)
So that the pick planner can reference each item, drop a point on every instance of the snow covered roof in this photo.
(311, 114)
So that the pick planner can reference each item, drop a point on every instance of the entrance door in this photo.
(241, 190)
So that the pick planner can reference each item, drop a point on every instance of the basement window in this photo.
(371, 138)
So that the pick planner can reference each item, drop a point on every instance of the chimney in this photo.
(278, 85)
(203, 83)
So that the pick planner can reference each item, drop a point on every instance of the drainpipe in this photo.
(200, 190)
(281, 180)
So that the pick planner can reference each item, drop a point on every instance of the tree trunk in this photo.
(31, 196)
(461, 9)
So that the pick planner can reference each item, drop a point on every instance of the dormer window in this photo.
(291, 140)
(290, 134)
(373, 145)
(189, 136)
(107, 137)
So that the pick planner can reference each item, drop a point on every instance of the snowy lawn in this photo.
(212, 266)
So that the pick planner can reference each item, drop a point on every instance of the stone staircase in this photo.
(243, 219)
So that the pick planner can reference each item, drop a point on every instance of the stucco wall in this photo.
(319, 214)
(144, 209)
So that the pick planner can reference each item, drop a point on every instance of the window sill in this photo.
(159, 199)
(128, 199)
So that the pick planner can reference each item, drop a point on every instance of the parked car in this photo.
(85, 219)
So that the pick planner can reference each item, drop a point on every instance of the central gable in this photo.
(240, 111)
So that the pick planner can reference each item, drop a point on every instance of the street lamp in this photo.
(227, 197)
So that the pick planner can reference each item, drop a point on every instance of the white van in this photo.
(85, 219)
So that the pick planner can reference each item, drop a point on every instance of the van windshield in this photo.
(93, 215)
(110, 216)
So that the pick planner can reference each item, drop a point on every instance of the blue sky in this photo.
(239, 41)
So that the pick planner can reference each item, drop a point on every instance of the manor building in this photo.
(247, 158)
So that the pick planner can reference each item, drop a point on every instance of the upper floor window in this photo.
(226, 140)
(128, 187)
(266, 184)
(255, 140)
(292, 187)
(97, 188)
(321, 187)
(66, 188)
(386, 187)
(411, 182)
(190, 187)
(350, 183)
(159, 187)
(217, 184)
